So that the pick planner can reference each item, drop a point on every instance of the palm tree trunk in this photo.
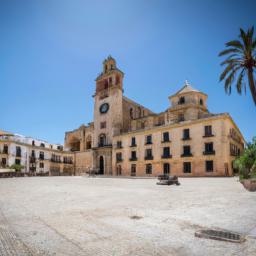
(252, 84)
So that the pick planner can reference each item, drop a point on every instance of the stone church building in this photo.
(126, 138)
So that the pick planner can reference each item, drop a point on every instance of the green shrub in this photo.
(17, 167)
(246, 163)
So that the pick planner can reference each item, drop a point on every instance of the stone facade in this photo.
(128, 139)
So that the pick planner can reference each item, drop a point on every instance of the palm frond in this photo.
(234, 61)
(254, 44)
(244, 37)
(250, 32)
(239, 82)
(228, 69)
(229, 80)
(235, 43)
(231, 50)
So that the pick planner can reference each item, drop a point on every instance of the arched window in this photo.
(201, 102)
(181, 100)
(102, 140)
(106, 68)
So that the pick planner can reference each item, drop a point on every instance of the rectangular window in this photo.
(5, 150)
(4, 161)
(148, 154)
(33, 153)
(103, 125)
(149, 139)
(133, 142)
(166, 137)
(209, 166)
(133, 170)
(187, 167)
(41, 165)
(119, 157)
(133, 156)
(209, 148)
(186, 151)
(208, 131)
(166, 152)
(166, 168)
(18, 151)
(41, 155)
(186, 135)
(119, 144)
(17, 161)
(148, 168)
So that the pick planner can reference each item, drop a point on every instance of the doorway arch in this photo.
(101, 165)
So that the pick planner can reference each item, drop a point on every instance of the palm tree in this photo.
(242, 58)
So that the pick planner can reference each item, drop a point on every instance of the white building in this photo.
(35, 156)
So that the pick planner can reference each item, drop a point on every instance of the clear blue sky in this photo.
(51, 52)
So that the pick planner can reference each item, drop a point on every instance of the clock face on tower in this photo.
(104, 108)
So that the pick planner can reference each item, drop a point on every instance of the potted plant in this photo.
(246, 164)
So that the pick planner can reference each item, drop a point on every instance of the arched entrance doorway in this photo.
(101, 165)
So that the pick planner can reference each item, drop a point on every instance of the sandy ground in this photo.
(92, 216)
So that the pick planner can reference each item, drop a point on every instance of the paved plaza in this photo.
(123, 217)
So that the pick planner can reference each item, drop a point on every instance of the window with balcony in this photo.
(33, 154)
(3, 162)
(119, 144)
(186, 134)
(166, 168)
(119, 157)
(209, 149)
(18, 151)
(209, 166)
(5, 149)
(148, 154)
(133, 142)
(102, 140)
(186, 151)
(181, 117)
(166, 137)
(67, 160)
(208, 131)
(166, 152)
(187, 167)
(133, 156)
(17, 161)
(41, 155)
(148, 139)
(148, 168)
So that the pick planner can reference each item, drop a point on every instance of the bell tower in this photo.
(108, 108)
